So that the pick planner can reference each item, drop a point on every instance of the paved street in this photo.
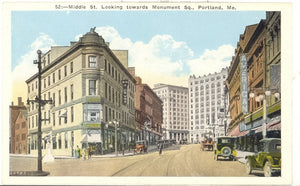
(186, 161)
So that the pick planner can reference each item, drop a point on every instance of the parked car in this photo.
(268, 158)
(141, 146)
(224, 147)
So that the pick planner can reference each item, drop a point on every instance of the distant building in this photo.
(208, 105)
(175, 111)
(149, 111)
(18, 128)
(91, 87)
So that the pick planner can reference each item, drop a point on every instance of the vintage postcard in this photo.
(155, 93)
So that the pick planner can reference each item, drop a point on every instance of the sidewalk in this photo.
(151, 148)
(242, 154)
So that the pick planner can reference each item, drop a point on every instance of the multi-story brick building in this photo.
(18, 128)
(149, 111)
(261, 45)
(90, 88)
(208, 101)
(175, 111)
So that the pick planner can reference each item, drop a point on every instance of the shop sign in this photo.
(124, 95)
(92, 125)
(275, 77)
(244, 84)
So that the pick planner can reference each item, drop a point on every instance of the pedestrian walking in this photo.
(84, 153)
(78, 152)
(89, 152)
(160, 148)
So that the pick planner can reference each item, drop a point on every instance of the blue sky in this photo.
(199, 29)
(164, 46)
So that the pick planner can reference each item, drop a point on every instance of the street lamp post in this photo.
(41, 103)
(265, 110)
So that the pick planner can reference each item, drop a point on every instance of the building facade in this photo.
(149, 112)
(261, 44)
(18, 128)
(208, 105)
(175, 111)
(91, 89)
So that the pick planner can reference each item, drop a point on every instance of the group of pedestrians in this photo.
(86, 153)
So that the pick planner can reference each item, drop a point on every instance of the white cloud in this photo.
(165, 60)
(161, 60)
(25, 69)
(212, 60)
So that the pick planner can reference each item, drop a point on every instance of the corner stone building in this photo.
(90, 88)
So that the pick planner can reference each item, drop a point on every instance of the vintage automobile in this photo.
(267, 159)
(207, 144)
(224, 147)
(141, 146)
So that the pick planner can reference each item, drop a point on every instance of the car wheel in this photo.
(267, 169)
(226, 151)
(248, 167)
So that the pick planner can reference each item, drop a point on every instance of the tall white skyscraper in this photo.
(208, 102)
(175, 111)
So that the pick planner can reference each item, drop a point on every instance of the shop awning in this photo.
(236, 132)
(91, 138)
(276, 125)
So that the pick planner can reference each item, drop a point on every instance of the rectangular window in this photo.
(54, 142)
(59, 97)
(29, 122)
(23, 137)
(105, 65)
(59, 142)
(32, 121)
(53, 115)
(45, 83)
(53, 99)
(59, 74)
(65, 67)
(72, 114)
(66, 140)
(66, 118)
(71, 67)
(53, 77)
(72, 93)
(66, 95)
(92, 61)
(49, 117)
(59, 118)
(92, 112)
(105, 90)
(48, 80)
(92, 87)
(48, 59)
